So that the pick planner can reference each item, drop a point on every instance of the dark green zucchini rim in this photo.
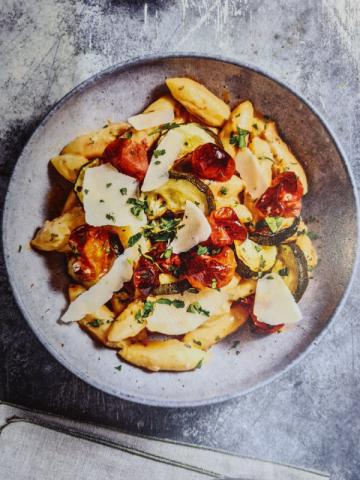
(171, 288)
(270, 238)
(200, 185)
(302, 268)
(80, 178)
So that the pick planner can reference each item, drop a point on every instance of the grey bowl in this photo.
(39, 281)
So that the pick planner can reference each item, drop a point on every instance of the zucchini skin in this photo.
(201, 186)
(302, 268)
(275, 238)
(171, 288)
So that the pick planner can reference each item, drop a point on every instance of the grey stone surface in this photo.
(310, 416)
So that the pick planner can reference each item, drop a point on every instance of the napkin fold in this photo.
(40, 446)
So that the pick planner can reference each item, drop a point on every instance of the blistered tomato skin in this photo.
(93, 253)
(212, 271)
(226, 227)
(212, 162)
(128, 156)
(257, 326)
(282, 198)
(146, 274)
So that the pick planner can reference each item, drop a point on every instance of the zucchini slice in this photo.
(195, 135)
(171, 288)
(267, 237)
(292, 266)
(80, 178)
(253, 259)
(179, 188)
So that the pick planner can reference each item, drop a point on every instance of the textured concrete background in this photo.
(311, 416)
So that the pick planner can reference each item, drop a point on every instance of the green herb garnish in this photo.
(239, 139)
(108, 185)
(138, 206)
(312, 235)
(95, 323)
(202, 250)
(123, 191)
(134, 239)
(195, 307)
(283, 272)
(159, 153)
(223, 190)
(110, 216)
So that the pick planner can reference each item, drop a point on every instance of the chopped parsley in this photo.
(274, 223)
(199, 364)
(110, 216)
(95, 323)
(239, 139)
(101, 200)
(195, 307)
(202, 250)
(164, 301)
(283, 272)
(162, 229)
(108, 185)
(257, 248)
(223, 190)
(86, 191)
(159, 153)
(269, 277)
(255, 125)
(118, 368)
(123, 191)
(157, 162)
(235, 344)
(197, 342)
(128, 135)
(165, 127)
(262, 262)
(134, 239)
(174, 303)
(138, 206)
(148, 308)
(19, 249)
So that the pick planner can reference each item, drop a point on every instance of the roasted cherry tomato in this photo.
(282, 198)
(214, 271)
(94, 250)
(212, 162)
(226, 227)
(258, 327)
(157, 260)
(128, 156)
(146, 274)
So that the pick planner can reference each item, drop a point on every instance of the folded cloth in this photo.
(40, 446)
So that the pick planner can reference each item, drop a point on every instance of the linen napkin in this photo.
(40, 446)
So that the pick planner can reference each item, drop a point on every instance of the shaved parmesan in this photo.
(194, 229)
(274, 303)
(255, 173)
(171, 315)
(151, 119)
(100, 293)
(162, 160)
(106, 193)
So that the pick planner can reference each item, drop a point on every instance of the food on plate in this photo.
(181, 225)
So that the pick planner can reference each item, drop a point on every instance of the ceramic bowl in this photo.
(39, 281)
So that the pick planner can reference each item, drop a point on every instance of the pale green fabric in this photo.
(37, 446)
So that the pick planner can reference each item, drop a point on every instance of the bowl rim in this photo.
(122, 66)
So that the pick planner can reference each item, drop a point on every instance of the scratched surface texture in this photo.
(309, 417)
